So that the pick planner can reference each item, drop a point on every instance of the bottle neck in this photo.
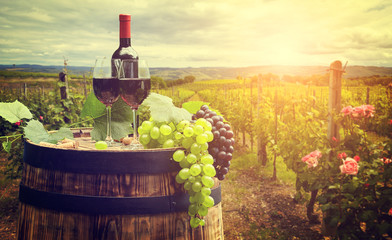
(125, 42)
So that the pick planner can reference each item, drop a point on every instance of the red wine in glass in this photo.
(134, 90)
(107, 90)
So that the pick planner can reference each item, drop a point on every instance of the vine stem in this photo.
(15, 135)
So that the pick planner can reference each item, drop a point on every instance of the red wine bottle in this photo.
(125, 52)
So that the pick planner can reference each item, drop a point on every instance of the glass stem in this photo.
(109, 124)
(134, 124)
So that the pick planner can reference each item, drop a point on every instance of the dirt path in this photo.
(195, 97)
(8, 208)
(255, 208)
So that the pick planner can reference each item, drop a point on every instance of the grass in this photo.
(244, 161)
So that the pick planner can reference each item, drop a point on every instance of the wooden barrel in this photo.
(107, 194)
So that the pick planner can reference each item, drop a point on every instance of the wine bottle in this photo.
(125, 52)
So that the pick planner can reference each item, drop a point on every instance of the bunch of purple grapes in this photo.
(222, 147)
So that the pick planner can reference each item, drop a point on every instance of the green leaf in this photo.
(60, 135)
(121, 122)
(194, 106)
(93, 107)
(36, 132)
(13, 112)
(7, 146)
(121, 118)
(163, 110)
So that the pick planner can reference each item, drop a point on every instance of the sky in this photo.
(202, 33)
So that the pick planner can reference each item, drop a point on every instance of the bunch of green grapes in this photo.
(197, 169)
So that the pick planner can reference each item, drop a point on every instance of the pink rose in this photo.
(368, 110)
(312, 162)
(312, 158)
(350, 167)
(316, 154)
(358, 112)
(305, 159)
(347, 110)
(41, 118)
(390, 122)
(357, 158)
(390, 212)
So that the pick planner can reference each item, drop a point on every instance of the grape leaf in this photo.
(7, 146)
(36, 132)
(92, 107)
(194, 106)
(121, 122)
(163, 110)
(60, 135)
(13, 112)
(121, 118)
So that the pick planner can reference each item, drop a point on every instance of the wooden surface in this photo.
(335, 95)
(41, 223)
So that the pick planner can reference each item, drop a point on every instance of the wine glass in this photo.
(107, 90)
(135, 86)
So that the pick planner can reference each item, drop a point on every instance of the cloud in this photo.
(198, 33)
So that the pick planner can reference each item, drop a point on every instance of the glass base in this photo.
(135, 145)
(112, 143)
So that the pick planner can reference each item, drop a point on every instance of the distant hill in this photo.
(45, 69)
(206, 73)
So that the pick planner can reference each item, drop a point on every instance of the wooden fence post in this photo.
(25, 90)
(334, 107)
(84, 85)
(335, 95)
(63, 89)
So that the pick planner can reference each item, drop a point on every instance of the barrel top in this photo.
(85, 143)
(87, 159)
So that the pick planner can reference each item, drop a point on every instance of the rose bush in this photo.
(356, 195)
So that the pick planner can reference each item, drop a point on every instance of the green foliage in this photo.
(120, 121)
(193, 106)
(92, 107)
(163, 110)
(36, 132)
(120, 124)
(187, 79)
(19, 74)
(52, 111)
(157, 83)
(14, 112)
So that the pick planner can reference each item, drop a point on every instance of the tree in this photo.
(158, 82)
(189, 79)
